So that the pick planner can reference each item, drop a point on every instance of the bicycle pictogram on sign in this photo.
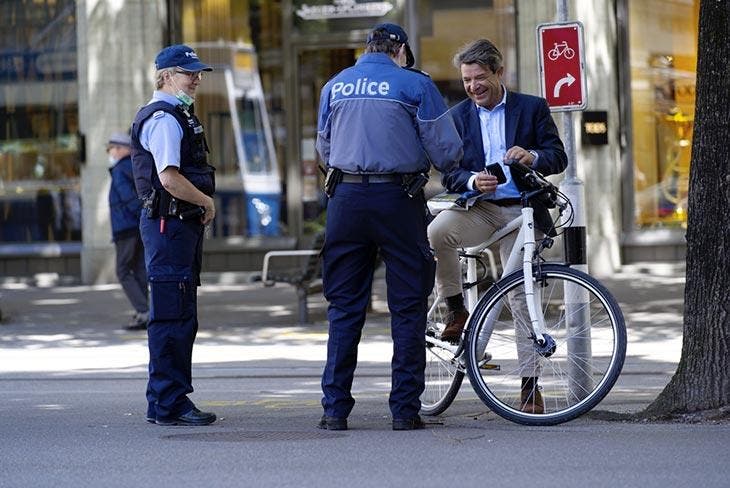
(559, 49)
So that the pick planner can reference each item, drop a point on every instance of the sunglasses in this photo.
(193, 75)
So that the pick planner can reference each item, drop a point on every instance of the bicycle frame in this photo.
(524, 244)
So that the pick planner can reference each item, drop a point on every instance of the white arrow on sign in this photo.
(567, 79)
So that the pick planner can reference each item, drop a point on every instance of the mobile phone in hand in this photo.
(495, 169)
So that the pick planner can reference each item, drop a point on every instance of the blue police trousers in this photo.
(173, 259)
(363, 219)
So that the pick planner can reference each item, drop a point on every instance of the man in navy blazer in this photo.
(496, 126)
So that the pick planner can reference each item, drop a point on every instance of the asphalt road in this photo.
(72, 404)
(89, 430)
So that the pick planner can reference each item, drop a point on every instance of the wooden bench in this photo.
(301, 268)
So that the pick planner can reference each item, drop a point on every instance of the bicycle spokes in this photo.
(574, 362)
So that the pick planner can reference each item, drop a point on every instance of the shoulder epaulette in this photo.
(416, 70)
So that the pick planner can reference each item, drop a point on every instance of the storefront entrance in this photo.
(314, 65)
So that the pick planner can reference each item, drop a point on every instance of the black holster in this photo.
(331, 180)
(152, 204)
(414, 183)
(161, 203)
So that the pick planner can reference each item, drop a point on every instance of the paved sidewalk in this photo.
(253, 330)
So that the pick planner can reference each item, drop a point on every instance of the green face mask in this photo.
(186, 99)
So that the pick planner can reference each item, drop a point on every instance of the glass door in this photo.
(315, 66)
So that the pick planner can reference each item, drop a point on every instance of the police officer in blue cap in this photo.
(380, 126)
(173, 177)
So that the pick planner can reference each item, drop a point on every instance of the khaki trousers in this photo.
(452, 230)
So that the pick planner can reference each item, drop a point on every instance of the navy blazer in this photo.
(528, 124)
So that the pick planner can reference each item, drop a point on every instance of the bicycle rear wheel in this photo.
(588, 328)
(443, 373)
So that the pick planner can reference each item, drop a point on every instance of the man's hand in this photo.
(516, 153)
(179, 187)
(485, 183)
(209, 214)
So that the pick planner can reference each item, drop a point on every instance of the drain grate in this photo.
(252, 436)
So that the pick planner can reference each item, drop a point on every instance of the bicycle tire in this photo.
(570, 383)
(443, 375)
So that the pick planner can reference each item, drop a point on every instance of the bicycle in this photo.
(575, 329)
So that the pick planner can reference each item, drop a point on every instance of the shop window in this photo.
(39, 146)
(663, 46)
(240, 104)
(447, 26)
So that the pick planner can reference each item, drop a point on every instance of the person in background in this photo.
(173, 177)
(124, 211)
(380, 128)
(498, 127)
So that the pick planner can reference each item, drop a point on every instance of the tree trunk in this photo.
(702, 380)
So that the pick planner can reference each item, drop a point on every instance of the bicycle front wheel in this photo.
(572, 375)
(444, 375)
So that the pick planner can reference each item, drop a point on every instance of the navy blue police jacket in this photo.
(376, 117)
(124, 205)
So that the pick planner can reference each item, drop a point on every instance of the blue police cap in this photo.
(181, 56)
(393, 32)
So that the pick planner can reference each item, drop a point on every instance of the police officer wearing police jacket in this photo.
(172, 175)
(379, 127)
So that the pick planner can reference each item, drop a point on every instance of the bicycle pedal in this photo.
(493, 367)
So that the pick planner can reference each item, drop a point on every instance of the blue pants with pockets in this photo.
(363, 219)
(173, 260)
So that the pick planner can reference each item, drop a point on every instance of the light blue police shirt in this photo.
(165, 145)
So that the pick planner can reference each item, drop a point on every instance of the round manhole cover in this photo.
(252, 436)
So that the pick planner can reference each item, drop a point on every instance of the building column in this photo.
(117, 43)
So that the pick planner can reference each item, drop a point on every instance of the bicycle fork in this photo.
(544, 344)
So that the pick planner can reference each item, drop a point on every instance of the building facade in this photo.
(74, 71)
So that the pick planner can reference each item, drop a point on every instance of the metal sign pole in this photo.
(574, 245)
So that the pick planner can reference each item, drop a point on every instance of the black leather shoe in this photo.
(332, 423)
(193, 417)
(409, 424)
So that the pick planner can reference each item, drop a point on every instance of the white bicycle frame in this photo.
(525, 245)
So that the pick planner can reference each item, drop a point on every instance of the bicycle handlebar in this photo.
(540, 184)
(529, 174)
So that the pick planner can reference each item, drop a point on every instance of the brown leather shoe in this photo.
(455, 321)
(531, 401)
